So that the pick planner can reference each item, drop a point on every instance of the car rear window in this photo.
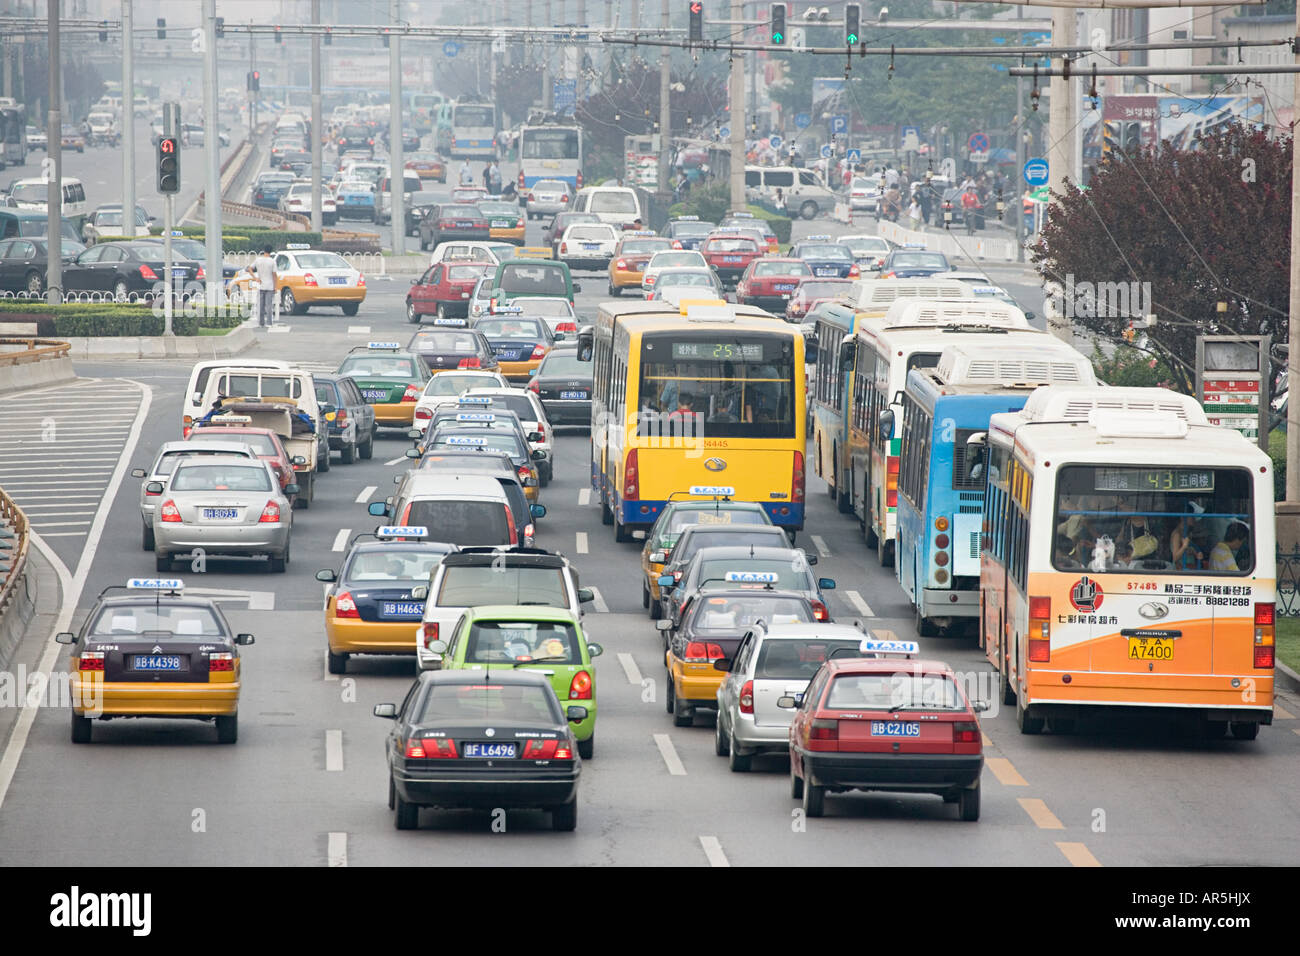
(511, 328)
(448, 383)
(564, 362)
(462, 522)
(167, 464)
(762, 539)
(470, 586)
(445, 342)
(533, 280)
(731, 614)
(663, 260)
(797, 658)
(898, 690)
(220, 478)
(713, 572)
(379, 367)
(181, 620)
(612, 202)
(644, 247)
(707, 514)
(496, 642)
(591, 232)
(506, 441)
(781, 269)
(391, 564)
(500, 703)
(518, 404)
(261, 444)
(466, 273)
(731, 244)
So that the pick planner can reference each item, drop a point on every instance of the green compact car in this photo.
(532, 278)
(544, 639)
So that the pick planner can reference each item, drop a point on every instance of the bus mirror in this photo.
(585, 338)
(887, 424)
(847, 355)
(975, 447)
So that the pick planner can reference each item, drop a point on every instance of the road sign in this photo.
(979, 158)
(826, 151)
(724, 133)
(978, 143)
(498, 43)
(797, 38)
(564, 95)
(1041, 194)
(450, 48)
(911, 139)
(839, 123)
(802, 120)
(774, 142)
(1036, 172)
(853, 155)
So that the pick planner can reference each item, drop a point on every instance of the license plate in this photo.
(156, 662)
(502, 224)
(785, 288)
(731, 259)
(575, 396)
(338, 280)
(179, 273)
(464, 225)
(721, 517)
(1151, 648)
(894, 728)
(374, 394)
(640, 266)
(505, 751)
(403, 609)
(219, 514)
(591, 246)
(828, 272)
(510, 355)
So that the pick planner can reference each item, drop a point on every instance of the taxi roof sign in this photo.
(475, 400)
(984, 289)
(402, 531)
(816, 239)
(506, 309)
(897, 648)
(450, 321)
(465, 440)
(686, 219)
(639, 232)
(156, 584)
(476, 417)
(231, 419)
(743, 214)
(297, 245)
(383, 345)
(753, 577)
(914, 245)
(715, 491)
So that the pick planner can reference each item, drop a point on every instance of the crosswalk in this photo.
(58, 449)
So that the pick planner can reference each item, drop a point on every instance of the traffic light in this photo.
(278, 37)
(778, 24)
(162, 28)
(696, 34)
(852, 22)
(385, 38)
(254, 81)
(169, 165)
(221, 27)
(103, 31)
(329, 37)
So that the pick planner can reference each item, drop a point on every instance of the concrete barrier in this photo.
(33, 363)
(162, 347)
(17, 585)
(953, 243)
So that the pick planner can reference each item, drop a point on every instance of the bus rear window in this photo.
(1153, 518)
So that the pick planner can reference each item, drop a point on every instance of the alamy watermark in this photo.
(61, 689)
(1100, 300)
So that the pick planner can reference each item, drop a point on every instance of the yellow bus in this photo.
(1129, 560)
(695, 395)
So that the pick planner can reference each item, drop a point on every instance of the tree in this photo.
(1195, 228)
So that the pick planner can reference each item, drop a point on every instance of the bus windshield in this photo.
(1137, 518)
(549, 144)
(474, 116)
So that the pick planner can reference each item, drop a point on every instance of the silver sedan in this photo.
(222, 505)
(163, 466)
(546, 197)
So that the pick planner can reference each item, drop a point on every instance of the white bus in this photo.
(473, 131)
(550, 151)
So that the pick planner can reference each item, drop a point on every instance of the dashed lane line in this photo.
(336, 851)
(820, 544)
(358, 330)
(1078, 854)
(581, 542)
(395, 461)
(630, 669)
(366, 492)
(713, 851)
(334, 750)
(584, 497)
(341, 539)
(669, 753)
(861, 606)
(1007, 775)
(1043, 818)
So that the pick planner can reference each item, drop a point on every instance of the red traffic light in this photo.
(166, 145)
(696, 7)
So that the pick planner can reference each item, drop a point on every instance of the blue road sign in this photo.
(565, 95)
(853, 155)
(1036, 172)
(978, 143)
(826, 151)
(450, 48)
(802, 120)
(774, 142)
(724, 133)
(839, 123)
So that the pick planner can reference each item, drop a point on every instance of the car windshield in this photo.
(466, 523)
(466, 273)
(898, 690)
(445, 342)
(380, 366)
(681, 518)
(664, 260)
(498, 703)
(464, 586)
(697, 278)
(220, 478)
(612, 202)
(781, 269)
(731, 244)
(180, 620)
(919, 260)
(449, 383)
(391, 564)
(520, 328)
(516, 402)
(792, 573)
(518, 277)
(564, 362)
(261, 444)
(824, 290)
(733, 613)
(496, 642)
(798, 658)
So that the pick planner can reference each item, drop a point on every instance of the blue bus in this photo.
(832, 385)
(941, 471)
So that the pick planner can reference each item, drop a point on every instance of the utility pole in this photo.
(1060, 148)
(737, 120)
(316, 128)
(548, 86)
(665, 112)
(1293, 326)
(128, 123)
(212, 149)
(396, 168)
(1017, 173)
(253, 95)
(54, 169)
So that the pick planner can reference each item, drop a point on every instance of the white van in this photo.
(34, 194)
(616, 205)
(802, 190)
(192, 404)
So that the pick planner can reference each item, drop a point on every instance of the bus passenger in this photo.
(1223, 556)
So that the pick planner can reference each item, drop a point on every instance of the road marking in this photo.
(78, 534)
(862, 606)
(341, 539)
(279, 328)
(337, 849)
(669, 753)
(599, 601)
(328, 675)
(1281, 713)
(988, 741)
(630, 669)
(582, 542)
(257, 600)
(366, 492)
(60, 524)
(333, 750)
(358, 330)
(820, 545)
(1044, 818)
(584, 497)
(1007, 775)
(1077, 854)
(713, 850)
(395, 461)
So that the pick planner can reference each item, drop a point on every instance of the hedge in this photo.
(110, 319)
(254, 238)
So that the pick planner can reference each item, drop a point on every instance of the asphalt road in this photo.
(306, 783)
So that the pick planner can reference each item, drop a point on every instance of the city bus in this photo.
(1130, 561)
(940, 494)
(473, 131)
(550, 151)
(13, 135)
(912, 334)
(425, 109)
(702, 394)
(832, 389)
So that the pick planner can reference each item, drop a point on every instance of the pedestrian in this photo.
(494, 179)
(264, 269)
(487, 169)
(466, 174)
(914, 212)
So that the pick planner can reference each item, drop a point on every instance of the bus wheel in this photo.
(845, 494)
(1008, 692)
(924, 626)
(1028, 725)
(885, 554)
(1214, 729)
(1242, 730)
(606, 516)
(621, 534)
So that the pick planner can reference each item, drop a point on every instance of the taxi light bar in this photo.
(221, 662)
(713, 491)
(383, 345)
(458, 323)
(580, 686)
(402, 531)
(752, 577)
(888, 648)
(156, 584)
(506, 309)
(474, 400)
(816, 238)
(345, 606)
(476, 417)
(465, 440)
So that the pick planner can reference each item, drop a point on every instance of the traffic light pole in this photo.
(128, 123)
(212, 147)
(665, 113)
(396, 167)
(54, 168)
(316, 128)
(169, 223)
(737, 119)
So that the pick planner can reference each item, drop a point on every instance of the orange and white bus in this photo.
(1129, 560)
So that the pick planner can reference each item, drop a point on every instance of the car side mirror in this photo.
(559, 336)
(722, 665)
(658, 557)
(586, 595)
(788, 702)
(378, 509)
(326, 574)
(1030, 316)
(410, 453)
(538, 511)
(539, 455)
(826, 584)
(292, 488)
(297, 460)
(245, 639)
(811, 559)
(414, 434)
(387, 711)
(594, 649)
(438, 647)
(663, 624)
(65, 637)
(666, 581)
(138, 473)
(154, 487)
(575, 714)
(577, 287)
(536, 436)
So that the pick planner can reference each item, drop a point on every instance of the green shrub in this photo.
(110, 319)
(712, 203)
(253, 238)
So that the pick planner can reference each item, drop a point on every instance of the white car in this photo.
(446, 388)
(676, 284)
(588, 245)
(546, 197)
(555, 312)
(864, 193)
(467, 250)
(297, 201)
(479, 300)
(671, 259)
(868, 252)
(527, 406)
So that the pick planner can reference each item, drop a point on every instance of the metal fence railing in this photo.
(14, 534)
(20, 351)
(1288, 583)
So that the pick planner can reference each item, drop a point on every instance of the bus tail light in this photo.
(522, 187)
(747, 698)
(630, 490)
(796, 479)
(1264, 635)
(579, 179)
(580, 686)
(891, 482)
(1040, 629)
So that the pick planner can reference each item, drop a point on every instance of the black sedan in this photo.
(126, 268)
(23, 263)
(356, 136)
(296, 162)
(350, 418)
(564, 386)
(416, 204)
(461, 740)
(462, 220)
(453, 348)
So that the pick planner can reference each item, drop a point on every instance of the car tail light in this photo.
(1040, 629)
(796, 479)
(270, 514)
(564, 247)
(650, 279)
(700, 652)
(309, 279)
(510, 522)
(747, 698)
(341, 417)
(91, 661)
(221, 662)
(361, 280)
(411, 394)
(430, 629)
(346, 606)
(540, 749)
(200, 273)
(854, 271)
(1264, 635)
(521, 181)
(621, 264)
(529, 197)
(677, 243)
(579, 179)
(430, 748)
(580, 686)
(539, 351)
(965, 732)
(469, 363)
(534, 387)
(824, 734)
(819, 611)
(630, 490)
(170, 512)
(148, 274)
(566, 326)
(370, 142)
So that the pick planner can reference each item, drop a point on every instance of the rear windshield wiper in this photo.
(543, 660)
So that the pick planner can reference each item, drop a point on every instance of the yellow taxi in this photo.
(391, 380)
(369, 608)
(627, 266)
(306, 277)
(154, 652)
(518, 340)
(427, 166)
(505, 221)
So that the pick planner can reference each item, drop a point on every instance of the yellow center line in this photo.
(1007, 775)
(988, 741)
(1077, 854)
(1044, 818)
(1281, 713)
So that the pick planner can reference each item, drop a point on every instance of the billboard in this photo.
(1130, 121)
(371, 69)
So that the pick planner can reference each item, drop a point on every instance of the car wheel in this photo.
(367, 449)
(281, 562)
(808, 210)
(407, 816)
(348, 454)
(351, 308)
(323, 463)
(654, 609)
(81, 730)
(587, 748)
(338, 664)
(645, 596)
(228, 729)
(564, 818)
(35, 283)
(544, 475)
(796, 784)
(736, 761)
(411, 317)
(146, 537)
(442, 312)
(969, 803)
(120, 290)
(670, 697)
(814, 798)
(683, 715)
(721, 743)
(288, 304)
(614, 291)
(162, 562)
(392, 792)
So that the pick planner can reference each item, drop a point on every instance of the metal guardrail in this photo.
(34, 350)
(16, 556)
(1288, 583)
(181, 297)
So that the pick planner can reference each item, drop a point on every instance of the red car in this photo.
(769, 282)
(443, 291)
(811, 291)
(265, 442)
(730, 254)
(902, 726)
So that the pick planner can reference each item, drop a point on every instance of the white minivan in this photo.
(802, 190)
(616, 205)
